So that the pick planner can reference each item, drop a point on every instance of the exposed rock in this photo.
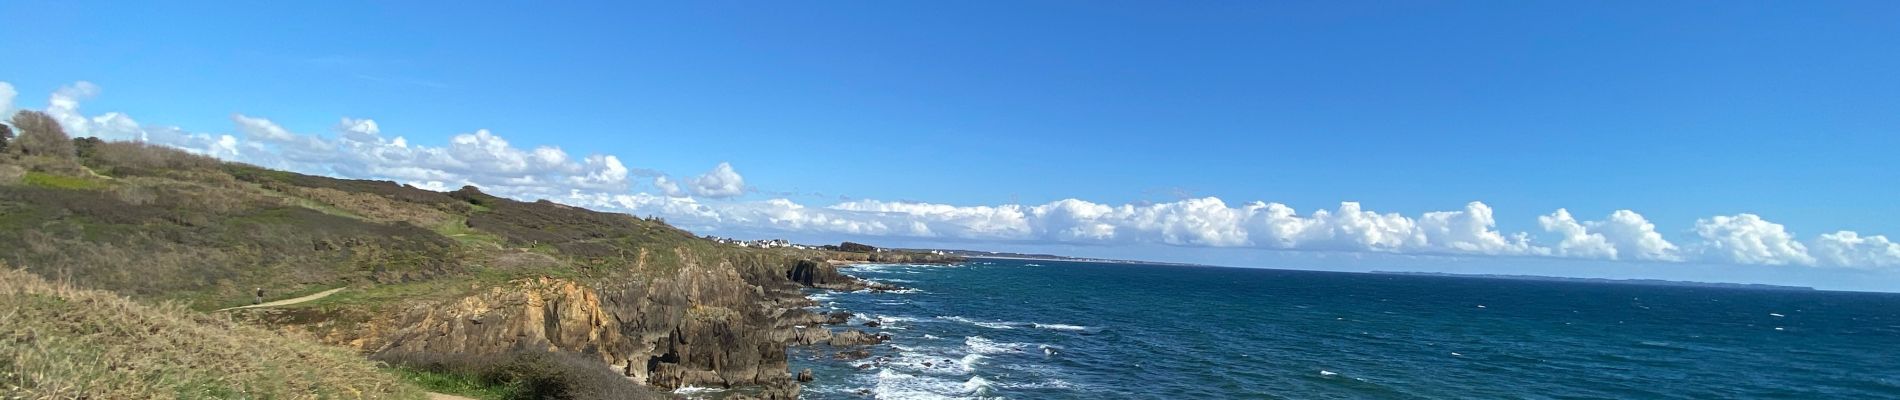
(873, 323)
(713, 324)
(805, 376)
(852, 355)
(856, 337)
(837, 318)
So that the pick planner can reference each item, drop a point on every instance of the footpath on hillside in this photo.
(286, 302)
(327, 293)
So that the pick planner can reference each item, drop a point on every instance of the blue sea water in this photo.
(1070, 330)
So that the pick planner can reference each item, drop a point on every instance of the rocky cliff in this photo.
(714, 322)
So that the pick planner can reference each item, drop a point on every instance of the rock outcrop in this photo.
(711, 323)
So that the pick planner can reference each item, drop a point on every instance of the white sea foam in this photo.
(1061, 327)
(1049, 384)
(969, 361)
(894, 318)
(898, 385)
(985, 324)
(695, 390)
(924, 361)
(982, 345)
(976, 385)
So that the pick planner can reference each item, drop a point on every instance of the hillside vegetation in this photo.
(461, 275)
(62, 342)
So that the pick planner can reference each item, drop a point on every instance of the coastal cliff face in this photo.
(721, 323)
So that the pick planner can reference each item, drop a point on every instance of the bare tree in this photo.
(40, 135)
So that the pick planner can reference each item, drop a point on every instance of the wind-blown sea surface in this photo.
(1070, 330)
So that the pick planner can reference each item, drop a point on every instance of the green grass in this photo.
(457, 228)
(55, 181)
(457, 384)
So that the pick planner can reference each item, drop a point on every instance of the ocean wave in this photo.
(933, 361)
(985, 324)
(898, 385)
(982, 345)
(891, 319)
(1049, 384)
(1062, 327)
(695, 390)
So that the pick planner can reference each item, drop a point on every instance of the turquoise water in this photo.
(1066, 330)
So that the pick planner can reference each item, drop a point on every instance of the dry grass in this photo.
(61, 342)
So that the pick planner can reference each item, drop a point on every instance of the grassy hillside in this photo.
(161, 225)
(61, 342)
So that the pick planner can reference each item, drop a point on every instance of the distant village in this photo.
(762, 243)
(782, 243)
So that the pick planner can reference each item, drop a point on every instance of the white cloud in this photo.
(1748, 239)
(262, 129)
(7, 93)
(1577, 240)
(1849, 249)
(668, 186)
(721, 182)
(601, 172)
(359, 130)
(1472, 231)
(1635, 237)
(1625, 235)
(358, 148)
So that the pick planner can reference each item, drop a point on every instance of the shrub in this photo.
(85, 146)
(6, 135)
(134, 158)
(525, 374)
(40, 135)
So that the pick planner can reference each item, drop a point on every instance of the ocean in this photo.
(1021, 329)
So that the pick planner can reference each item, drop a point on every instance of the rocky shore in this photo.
(718, 323)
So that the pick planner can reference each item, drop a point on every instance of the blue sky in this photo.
(1679, 111)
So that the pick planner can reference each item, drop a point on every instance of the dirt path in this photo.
(439, 396)
(286, 302)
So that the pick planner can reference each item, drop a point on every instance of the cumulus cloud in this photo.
(7, 93)
(668, 186)
(1849, 249)
(1472, 230)
(1748, 239)
(359, 148)
(1625, 235)
(721, 182)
